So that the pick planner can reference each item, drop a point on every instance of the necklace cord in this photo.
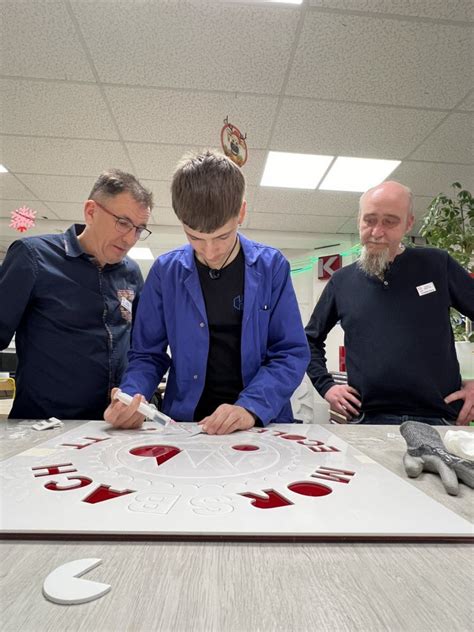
(215, 273)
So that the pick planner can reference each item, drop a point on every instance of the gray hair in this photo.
(114, 181)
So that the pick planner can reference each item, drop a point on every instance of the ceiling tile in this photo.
(42, 227)
(11, 188)
(453, 141)
(59, 188)
(420, 206)
(39, 40)
(340, 129)
(468, 103)
(291, 223)
(189, 118)
(7, 206)
(349, 226)
(165, 217)
(270, 200)
(154, 161)
(157, 162)
(335, 60)
(431, 178)
(189, 44)
(161, 192)
(46, 108)
(416, 227)
(71, 211)
(441, 9)
(57, 156)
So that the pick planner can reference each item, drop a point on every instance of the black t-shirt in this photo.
(224, 300)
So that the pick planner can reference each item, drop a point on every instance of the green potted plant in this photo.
(449, 224)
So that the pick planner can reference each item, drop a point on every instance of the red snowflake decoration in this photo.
(22, 219)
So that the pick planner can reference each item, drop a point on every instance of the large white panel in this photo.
(350, 129)
(370, 59)
(285, 480)
(46, 108)
(441, 9)
(453, 141)
(39, 40)
(58, 156)
(189, 118)
(189, 44)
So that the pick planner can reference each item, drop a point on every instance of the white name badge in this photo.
(426, 288)
(126, 304)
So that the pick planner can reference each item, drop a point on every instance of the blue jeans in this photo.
(388, 419)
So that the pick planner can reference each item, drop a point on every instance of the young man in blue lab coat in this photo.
(226, 308)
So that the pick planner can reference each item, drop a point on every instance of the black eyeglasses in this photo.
(124, 225)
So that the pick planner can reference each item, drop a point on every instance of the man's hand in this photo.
(344, 399)
(226, 419)
(466, 414)
(123, 416)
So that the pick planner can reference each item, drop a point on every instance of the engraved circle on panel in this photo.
(200, 458)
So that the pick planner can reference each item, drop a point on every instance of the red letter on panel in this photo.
(92, 440)
(272, 500)
(54, 469)
(103, 492)
(333, 474)
(83, 482)
(309, 489)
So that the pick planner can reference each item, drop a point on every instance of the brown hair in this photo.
(113, 182)
(207, 191)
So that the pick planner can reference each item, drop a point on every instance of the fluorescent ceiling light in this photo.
(357, 174)
(3, 169)
(141, 253)
(294, 171)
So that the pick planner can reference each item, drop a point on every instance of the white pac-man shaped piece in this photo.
(64, 586)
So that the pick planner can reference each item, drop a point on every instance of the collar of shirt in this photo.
(250, 249)
(72, 247)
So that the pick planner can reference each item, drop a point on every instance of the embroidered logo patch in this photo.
(125, 298)
(238, 302)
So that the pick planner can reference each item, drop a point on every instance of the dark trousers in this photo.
(388, 419)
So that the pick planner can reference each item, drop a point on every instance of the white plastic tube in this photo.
(148, 410)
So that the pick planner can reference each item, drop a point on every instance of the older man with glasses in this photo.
(69, 298)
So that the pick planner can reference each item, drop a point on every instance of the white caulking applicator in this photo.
(150, 411)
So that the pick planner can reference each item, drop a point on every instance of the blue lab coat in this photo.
(171, 313)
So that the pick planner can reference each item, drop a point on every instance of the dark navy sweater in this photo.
(400, 352)
(72, 321)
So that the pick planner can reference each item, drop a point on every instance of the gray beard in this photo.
(375, 263)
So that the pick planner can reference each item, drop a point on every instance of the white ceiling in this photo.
(92, 84)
